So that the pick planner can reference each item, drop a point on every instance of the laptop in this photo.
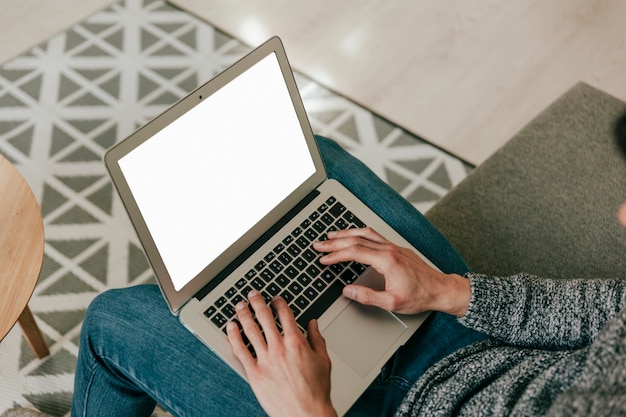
(226, 191)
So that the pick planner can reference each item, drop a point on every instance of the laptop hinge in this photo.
(256, 245)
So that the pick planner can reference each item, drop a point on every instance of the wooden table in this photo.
(21, 255)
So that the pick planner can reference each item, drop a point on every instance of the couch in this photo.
(546, 202)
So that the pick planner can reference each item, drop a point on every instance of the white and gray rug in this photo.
(63, 103)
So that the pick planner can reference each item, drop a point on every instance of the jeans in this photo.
(135, 353)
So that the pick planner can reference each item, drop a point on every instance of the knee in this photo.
(327, 146)
(115, 311)
(335, 158)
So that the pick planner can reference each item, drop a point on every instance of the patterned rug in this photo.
(63, 103)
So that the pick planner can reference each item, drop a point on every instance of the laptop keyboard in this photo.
(292, 270)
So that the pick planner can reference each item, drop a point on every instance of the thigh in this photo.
(134, 334)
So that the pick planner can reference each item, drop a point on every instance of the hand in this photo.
(411, 285)
(290, 375)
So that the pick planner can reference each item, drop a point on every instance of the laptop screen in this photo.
(204, 180)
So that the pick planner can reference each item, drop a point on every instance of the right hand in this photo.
(411, 285)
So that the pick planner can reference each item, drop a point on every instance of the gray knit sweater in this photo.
(559, 349)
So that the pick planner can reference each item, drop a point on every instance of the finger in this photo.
(316, 340)
(333, 245)
(285, 316)
(264, 316)
(344, 239)
(239, 347)
(368, 296)
(250, 328)
(365, 233)
(357, 250)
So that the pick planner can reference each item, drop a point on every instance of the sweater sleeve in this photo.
(535, 312)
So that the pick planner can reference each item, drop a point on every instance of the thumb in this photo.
(316, 340)
(367, 296)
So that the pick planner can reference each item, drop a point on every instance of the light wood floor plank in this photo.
(464, 75)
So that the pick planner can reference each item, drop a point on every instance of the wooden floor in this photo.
(464, 75)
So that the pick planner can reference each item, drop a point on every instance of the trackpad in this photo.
(360, 335)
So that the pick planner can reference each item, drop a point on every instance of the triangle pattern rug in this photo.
(63, 103)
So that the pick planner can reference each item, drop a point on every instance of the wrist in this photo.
(454, 298)
(322, 410)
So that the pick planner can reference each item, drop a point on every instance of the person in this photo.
(520, 345)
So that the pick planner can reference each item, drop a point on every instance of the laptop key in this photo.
(273, 289)
(300, 264)
(294, 250)
(310, 293)
(327, 275)
(285, 258)
(313, 271)
(291, 271)
(258, 284)
(309, 255)
(282, 280)
(219, 320)
(328, 219)
(311, 234)
(337, 210)
(220, 301)
(341, 224)
(267, 275)
(319, 284)
(210, 311)
(287, 296)
(319, 226)
(236, 299)
(276, 266)
(302, 302)
(295, 288)
(304, 279)
(348, 276)
(228, 311)
(320, 305)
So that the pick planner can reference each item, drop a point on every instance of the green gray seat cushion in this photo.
(546, 202)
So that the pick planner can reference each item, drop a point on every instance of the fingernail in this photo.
(253, 293)
(348, 291)
(241, 305)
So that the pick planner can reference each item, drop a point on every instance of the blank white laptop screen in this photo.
(208, 177)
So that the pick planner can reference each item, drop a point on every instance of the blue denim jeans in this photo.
(135, 353)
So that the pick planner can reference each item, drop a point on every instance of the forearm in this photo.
(539, 312)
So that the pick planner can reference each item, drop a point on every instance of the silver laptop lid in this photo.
(208, 177)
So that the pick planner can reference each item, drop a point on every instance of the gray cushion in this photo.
(546, 202)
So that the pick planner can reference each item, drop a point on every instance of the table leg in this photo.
(33, 334)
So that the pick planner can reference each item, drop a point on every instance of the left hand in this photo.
(290, 375)
(411, 285)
